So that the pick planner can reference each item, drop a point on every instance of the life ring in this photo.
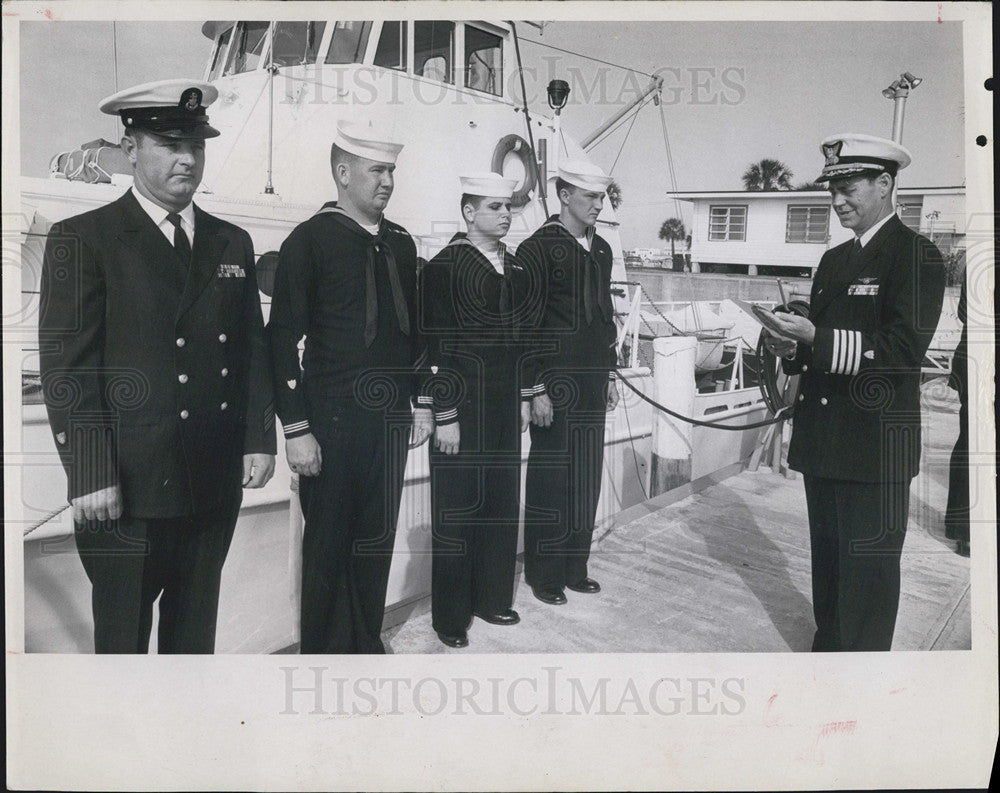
(520, 147)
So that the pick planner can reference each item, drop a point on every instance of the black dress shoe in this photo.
(459, 639)
(505, 617)
(586, 585)
(551, 595)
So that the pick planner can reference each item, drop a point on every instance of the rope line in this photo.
(698, 422)
(628, 132)
(589, 58)
(45, 520)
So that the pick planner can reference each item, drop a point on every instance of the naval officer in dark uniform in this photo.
(155, 375)
(471, 294)
(874, 306)
(346, 281)
(571, 366)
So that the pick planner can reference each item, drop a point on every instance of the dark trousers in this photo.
(132, 561)
(474, 505)
(350, 513)
(563, 483)
(856, 531)
(956, 517)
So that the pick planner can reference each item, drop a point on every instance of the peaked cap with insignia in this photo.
(169, 108)
(851, 153)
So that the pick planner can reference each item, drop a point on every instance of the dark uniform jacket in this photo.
(151, 381)
(959, 377)
(472, 318)
(858, 412)
(334, 280)
(569, 294)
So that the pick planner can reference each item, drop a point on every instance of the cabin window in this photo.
(910, 215)
(391, 50)
(349, 41)
(434, 50)
(483, 61)
(727, 223)
(297, 43)
(244, 55)
(807, 224)
(220, 51)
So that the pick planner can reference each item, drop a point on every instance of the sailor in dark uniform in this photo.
(470, 297)
(571, 366)
(956, 516)
(346, 280)
(875, 304)
(155, 375)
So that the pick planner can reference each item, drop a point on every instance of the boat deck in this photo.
(726, 569)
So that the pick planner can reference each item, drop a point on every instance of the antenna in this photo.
(114, 46)
(269, 188)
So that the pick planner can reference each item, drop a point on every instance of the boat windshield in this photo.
(391, 50)
(434, 50)
(297, 43)
(483, 61)
(247, 48)
(220, 50)
(349, 42)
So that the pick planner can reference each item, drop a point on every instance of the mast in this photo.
(898, 91)
(655, 85)
(269, 187)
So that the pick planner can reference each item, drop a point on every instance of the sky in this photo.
(734, 92)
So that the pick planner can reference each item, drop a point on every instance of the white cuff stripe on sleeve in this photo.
(856, 363)
(297, 426)
(425, 400)
(446, 415)
(846, 352)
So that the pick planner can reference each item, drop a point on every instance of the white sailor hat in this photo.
(850, 153)
(170, 108)
(487, 184)
(362, 140)
(584, 175)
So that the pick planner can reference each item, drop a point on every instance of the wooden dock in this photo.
(727, 570)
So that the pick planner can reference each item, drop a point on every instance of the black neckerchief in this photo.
(376, 244)
(461, 240)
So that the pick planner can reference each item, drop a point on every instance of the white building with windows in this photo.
(786, 232)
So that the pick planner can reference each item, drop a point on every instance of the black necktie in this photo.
(855, 255)
(181, 243)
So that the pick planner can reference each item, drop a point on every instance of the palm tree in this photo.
(614, 192)
(767, 175)
(672, 229)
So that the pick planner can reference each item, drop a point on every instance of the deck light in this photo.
(558, 92)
